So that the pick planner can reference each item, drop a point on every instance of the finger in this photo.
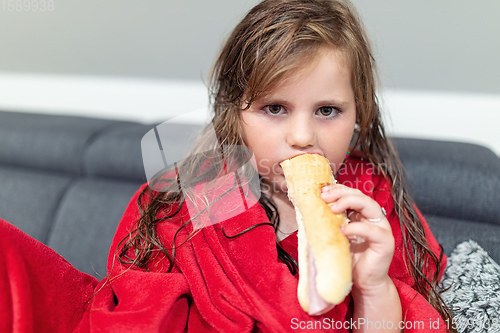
(335, 191)
(355, 216)
(370, 232)
(367, 208)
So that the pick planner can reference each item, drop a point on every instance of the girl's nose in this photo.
(300, 131)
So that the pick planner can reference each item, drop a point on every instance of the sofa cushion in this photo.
(450, 232)
(116, 153)
(86, 222)
(457, 180)
(52, 143)
(29, 199)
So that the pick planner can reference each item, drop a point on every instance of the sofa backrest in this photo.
(457, 187)
(66, 181)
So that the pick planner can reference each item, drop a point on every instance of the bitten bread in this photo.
(325, 273)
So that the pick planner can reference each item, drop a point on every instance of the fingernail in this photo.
(356, 239)
(325, 189)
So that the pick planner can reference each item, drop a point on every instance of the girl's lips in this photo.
(308, 152)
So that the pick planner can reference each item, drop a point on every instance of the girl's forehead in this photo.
(301, 66)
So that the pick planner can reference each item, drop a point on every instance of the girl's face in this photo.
(313, 111)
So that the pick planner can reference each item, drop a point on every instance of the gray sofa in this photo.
(67, 180)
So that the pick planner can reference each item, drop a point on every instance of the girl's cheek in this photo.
(262, 168)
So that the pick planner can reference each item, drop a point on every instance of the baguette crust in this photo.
(318, 230)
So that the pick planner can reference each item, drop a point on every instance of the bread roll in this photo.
(325, 272)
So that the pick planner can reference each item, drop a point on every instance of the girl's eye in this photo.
(328, 111)
(273, 109)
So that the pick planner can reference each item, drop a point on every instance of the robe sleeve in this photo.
(418, 314)
(39, 290)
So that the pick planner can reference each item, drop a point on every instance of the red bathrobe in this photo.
(217, 284)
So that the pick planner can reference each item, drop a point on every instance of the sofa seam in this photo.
(57, 207)
(93, 138)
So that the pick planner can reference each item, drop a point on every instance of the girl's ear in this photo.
(245, 105)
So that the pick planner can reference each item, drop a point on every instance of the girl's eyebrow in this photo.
(270, 101)
(333, 102)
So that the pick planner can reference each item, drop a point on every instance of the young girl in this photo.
(294, 77)
(193, 253)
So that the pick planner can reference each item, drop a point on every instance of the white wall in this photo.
(445, 45)
(130, 59)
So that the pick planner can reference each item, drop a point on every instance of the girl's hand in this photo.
(372, 242)
(375, 297)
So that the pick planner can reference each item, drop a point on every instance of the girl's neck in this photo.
(288, 222)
